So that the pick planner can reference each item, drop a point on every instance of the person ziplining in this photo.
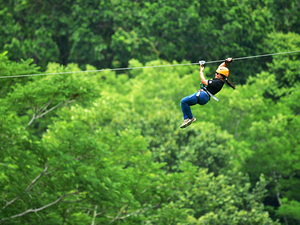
(207, 90)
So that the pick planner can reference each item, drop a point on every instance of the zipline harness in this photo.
(203, 88)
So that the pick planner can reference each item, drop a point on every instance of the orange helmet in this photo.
(223, 70)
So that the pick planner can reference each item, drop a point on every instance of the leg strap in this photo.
(198, 96)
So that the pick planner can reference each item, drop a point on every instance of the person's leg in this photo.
(186, 103)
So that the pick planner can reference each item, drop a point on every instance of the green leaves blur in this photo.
(108, 34)
(107, 148)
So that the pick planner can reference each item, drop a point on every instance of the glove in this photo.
(228, 61)
(202, 63)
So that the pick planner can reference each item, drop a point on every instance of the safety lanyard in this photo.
(210, 94)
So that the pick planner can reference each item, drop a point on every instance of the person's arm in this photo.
(226, 62)
(202, 78)
(223, 64)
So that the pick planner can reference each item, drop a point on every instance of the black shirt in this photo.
(214, 86)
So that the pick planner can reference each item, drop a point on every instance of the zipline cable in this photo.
(142, 67)
(255, 56)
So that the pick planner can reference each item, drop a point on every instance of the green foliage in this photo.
(285, 15)
(285, 68)
(109, 34)
(9, 68)
(105, 147)
(289, 209)
(112, 152)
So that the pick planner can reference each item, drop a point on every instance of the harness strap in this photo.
(198, 94)
(210, 94)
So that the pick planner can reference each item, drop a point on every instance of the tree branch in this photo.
(45, 106)
(34, 117)
(3, 164)
(40, 114)
(31, 121)
(126, 216)
(118, 216)
(278, 194)
(41, 208)
(133, 213)
(28, 188)
(36, 179)
(95, 215)
(54, 107)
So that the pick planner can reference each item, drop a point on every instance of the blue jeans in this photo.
(192, 100)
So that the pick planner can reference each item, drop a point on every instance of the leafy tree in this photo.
(109, 34)
(105, 158)
(9, 68)
(286, 14)
(284, 67)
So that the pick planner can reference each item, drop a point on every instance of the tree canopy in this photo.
(106, 147)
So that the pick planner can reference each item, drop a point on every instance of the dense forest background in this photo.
(106, 147)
